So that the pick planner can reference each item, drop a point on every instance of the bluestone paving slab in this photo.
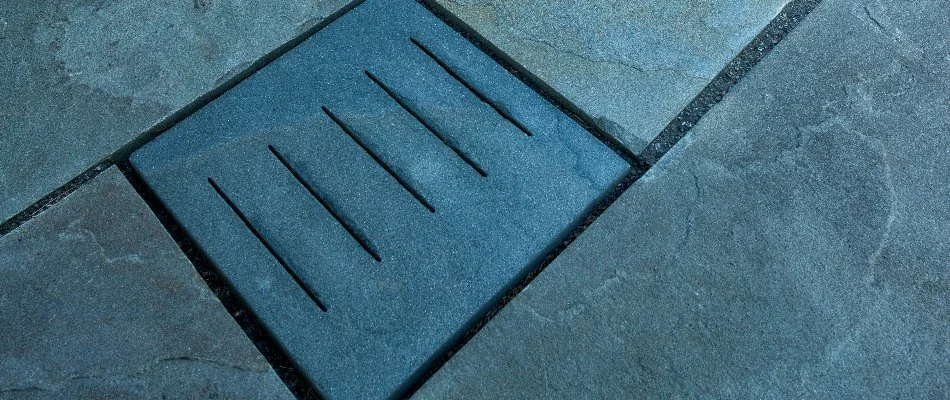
(377, 189)
(796, 244)
(631, 65)
(82, 78)
(97, 301)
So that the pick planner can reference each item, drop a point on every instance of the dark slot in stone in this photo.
(401, 283)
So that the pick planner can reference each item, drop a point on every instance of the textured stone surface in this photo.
(96, 301)
(631, 65)
(795, 245)
(81, 78)
(362, 284)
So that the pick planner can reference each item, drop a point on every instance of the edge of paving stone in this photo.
(51, 199)
(791, 15)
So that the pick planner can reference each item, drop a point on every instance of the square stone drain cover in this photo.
(375, 190)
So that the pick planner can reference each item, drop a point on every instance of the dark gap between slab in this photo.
(150, 134)
(52, 198)
(275, 355)
(508, 293)
(791, 15)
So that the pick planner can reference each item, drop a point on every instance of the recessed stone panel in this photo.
(374, 191)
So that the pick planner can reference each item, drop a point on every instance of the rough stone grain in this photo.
(80, 78)
(795, 245)
(96, 301)
(631, 65)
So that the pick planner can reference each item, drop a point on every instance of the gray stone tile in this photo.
(795, 245)
(632, 65)
(96, 301)
(81, 78)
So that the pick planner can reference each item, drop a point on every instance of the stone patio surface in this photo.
(795, 244)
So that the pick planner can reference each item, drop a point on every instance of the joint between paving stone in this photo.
(760, 46)
(52, 198)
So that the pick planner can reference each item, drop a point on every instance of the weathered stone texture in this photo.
(97, 301)
(81, 78)
(795, 245)
(631, 65)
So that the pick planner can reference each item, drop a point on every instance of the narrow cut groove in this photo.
(257, 234)
(402, 103)
(478, 93)
(357, 236)
(352, 134)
